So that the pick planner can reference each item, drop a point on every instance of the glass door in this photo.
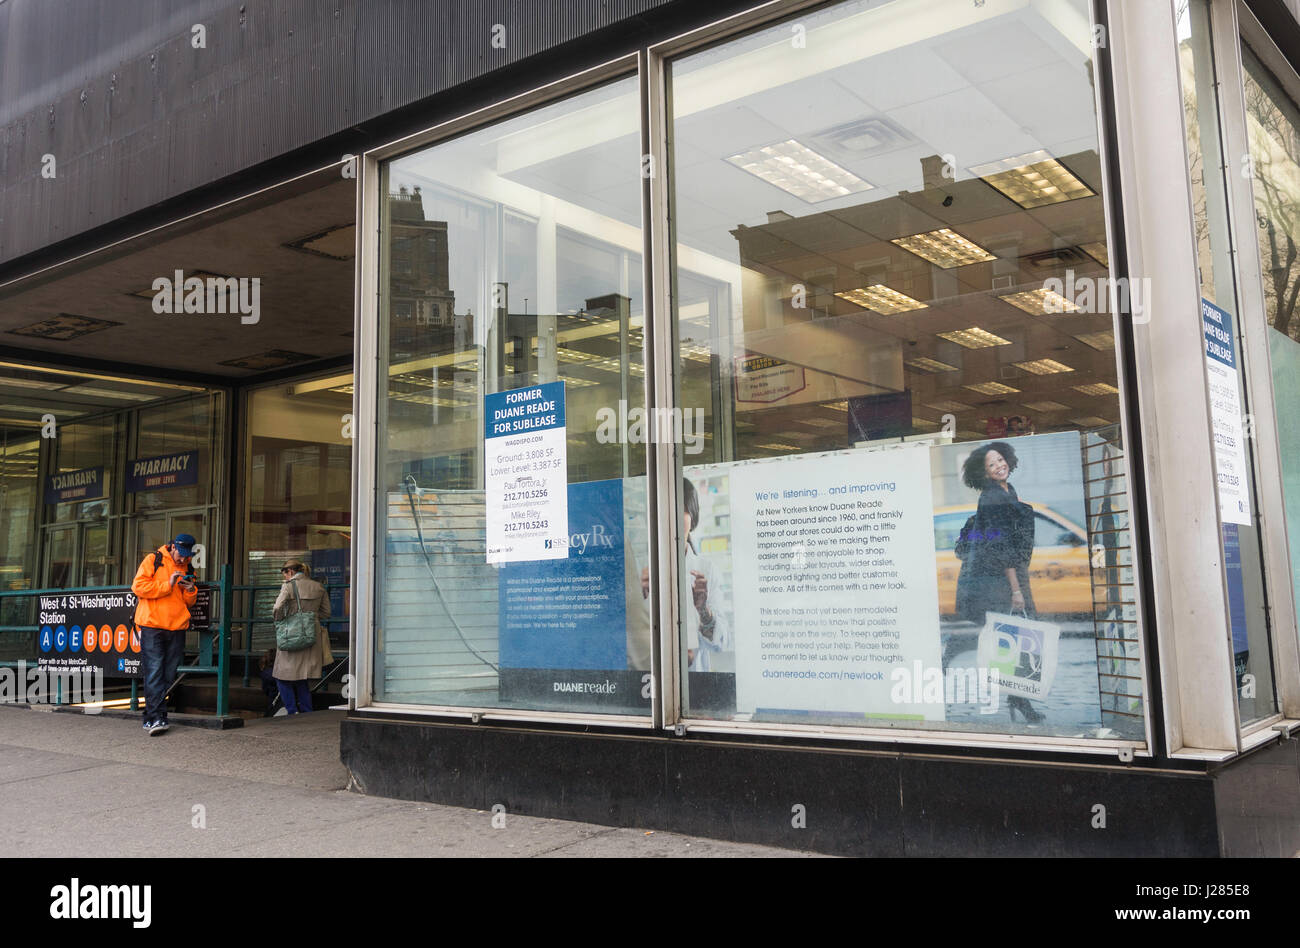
(96, 562)
(158, 530)
(59, 564)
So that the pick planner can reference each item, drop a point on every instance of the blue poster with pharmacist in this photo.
(570, 613)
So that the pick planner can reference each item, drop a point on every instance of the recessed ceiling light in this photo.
(1098, 340)
(1033, 180)
(930, 365)
(948, 406)
(1043, 367)
(881, 299)
(992, 388)
(272, 359)
(836, 406)
(818, 422)
(31, 383)
(798, 170)
(924, 423)
(776, 446)
(1097, 388)
(1098, 251)
(338, 243)
(1090, 421)
(944, 248)
(63, 327)
(1040, 302)
(92, 391)
(204, 275)
(974, 338)
(1046, 406)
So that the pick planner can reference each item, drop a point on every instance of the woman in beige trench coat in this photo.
(293, 671)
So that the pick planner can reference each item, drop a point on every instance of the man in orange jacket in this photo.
(165, 590)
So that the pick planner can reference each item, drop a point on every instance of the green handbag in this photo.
(298, 631)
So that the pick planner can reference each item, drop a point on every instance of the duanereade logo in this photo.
(102, 901)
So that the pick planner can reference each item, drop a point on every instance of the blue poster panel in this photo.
(333, 569)
(563, 622)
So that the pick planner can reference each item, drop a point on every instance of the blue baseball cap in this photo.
(183, 545)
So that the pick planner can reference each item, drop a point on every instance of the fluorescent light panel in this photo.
(974, 338)
(881, 299)
(930, 365)
(1098, 251)
(944, 248)
(1101, 341)
(1033, 180)
(1040, 302)
(1046, 406)
(948, 406)
(1043, 367)
(798, 170)
(1097, 388)
(992, 388)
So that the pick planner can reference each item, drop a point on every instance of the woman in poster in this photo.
(995, 569)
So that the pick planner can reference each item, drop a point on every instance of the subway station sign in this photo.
(162, 472)
(72, 486)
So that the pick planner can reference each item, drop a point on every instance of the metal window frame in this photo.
(367, 366)
(1199, 713)
(1234, 26)
(667, 382)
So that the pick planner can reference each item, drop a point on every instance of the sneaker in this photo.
(156, 727)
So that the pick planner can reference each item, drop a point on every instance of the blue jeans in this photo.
(294, 695)
(161, 651)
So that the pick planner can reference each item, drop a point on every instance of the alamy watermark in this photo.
(683, 426)
(43, 684)
(921, 685)
(80, 901)
(214, 295)
(1094, 294)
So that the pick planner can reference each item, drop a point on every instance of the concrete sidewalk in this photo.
(77, 785)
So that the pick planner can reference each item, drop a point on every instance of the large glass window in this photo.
(512, 534)
(904, 492)
(1247, 619)
(299, 493)
(19, 509)
(1273, 129)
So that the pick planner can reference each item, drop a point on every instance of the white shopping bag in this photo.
(1020, 653)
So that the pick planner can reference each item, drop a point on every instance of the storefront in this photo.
(858, 426)
(843, 407)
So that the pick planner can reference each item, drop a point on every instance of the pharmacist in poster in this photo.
(707, 629)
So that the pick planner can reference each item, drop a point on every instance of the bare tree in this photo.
(1275, 151)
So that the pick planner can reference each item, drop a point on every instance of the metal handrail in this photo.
(248, 652)
(224, 594)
